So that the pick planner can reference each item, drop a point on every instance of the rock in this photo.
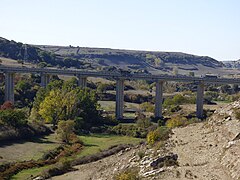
(152, 172)
(169, 160)
(38, 178)
(237, 137)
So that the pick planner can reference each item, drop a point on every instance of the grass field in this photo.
(98, 142)
(27, 150)
(93, 144)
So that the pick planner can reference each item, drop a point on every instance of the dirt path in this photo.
(199, 153)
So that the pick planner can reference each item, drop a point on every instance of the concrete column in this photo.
(45, 79)
(9, 87)
(200, 98)
(158, 99)
(119, 98)
(82, 81)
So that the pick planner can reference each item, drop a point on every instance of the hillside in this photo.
(205, 150)
(104, 58)
(232, 64)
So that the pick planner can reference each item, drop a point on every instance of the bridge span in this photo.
(120, 78)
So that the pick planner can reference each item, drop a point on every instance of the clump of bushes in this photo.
(129, 130)
(59, 168)
(138, 130)
(144, 123)
(147, 106)
(13, 118)
(177, 121)
(161, 133)
(128, 174)
(179, 99)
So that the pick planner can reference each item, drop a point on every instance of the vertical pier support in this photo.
(158, 99)
(45, 79)
(82, 81)
(200, 96)
(119, 98)
(9, 87)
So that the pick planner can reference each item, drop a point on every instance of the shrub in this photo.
(7, 105)
(129, 130)
(161, 133)
(65, 131)
(141, 154)
(14, 118)
(129, 174)
(237, 113)
(177, 121)
(57, 169)
(147, 106)
(174, 108)
(144, 123)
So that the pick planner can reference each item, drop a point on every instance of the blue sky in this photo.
(201, 27)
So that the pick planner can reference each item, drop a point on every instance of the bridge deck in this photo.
(118, 75)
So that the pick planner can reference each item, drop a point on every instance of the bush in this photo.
(65, 131)
(161, 133)
(57, 169)
(147, 106)
(177, 121)
(14, 118)
(144, 123)
(237, 114)
(141, 154)
(129, 130)
(179, 99)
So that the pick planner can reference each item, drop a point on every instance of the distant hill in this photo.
(232, 64)
(105, 58)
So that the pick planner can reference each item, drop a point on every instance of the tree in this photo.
(14, 118)
(62, 102)
(51, 108)
(25, 93)
(7, 105)
(65, 130)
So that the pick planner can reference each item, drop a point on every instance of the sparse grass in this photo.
(28, 173)
(27, 150)
(128, 174)
(97, 142)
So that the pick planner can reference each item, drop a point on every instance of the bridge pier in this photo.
(200, 98)
(82, 81)
(158, 99)
(9, 87)
(45, 79)
(119, 99)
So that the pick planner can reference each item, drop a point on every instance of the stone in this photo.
(165, 160)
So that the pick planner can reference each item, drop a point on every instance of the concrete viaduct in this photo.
(119, 77)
